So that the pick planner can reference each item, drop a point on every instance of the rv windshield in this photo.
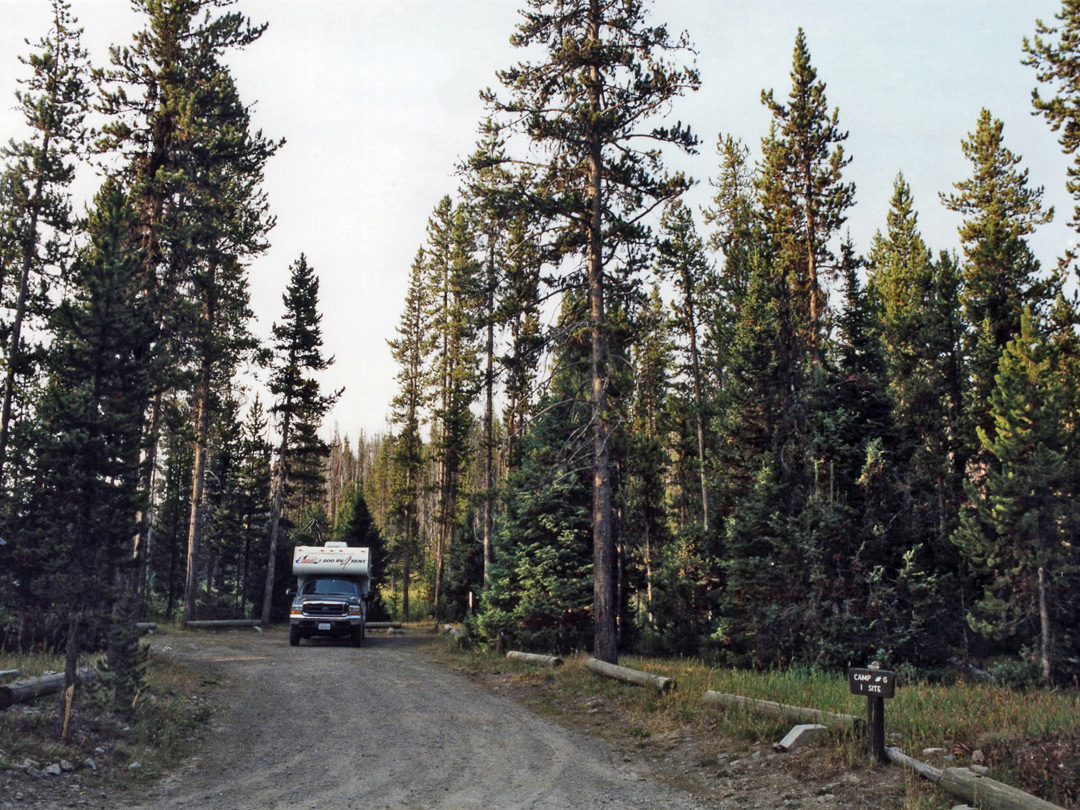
(331, 586)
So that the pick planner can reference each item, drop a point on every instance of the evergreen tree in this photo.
(921, 327)
(1000, 273)
(1022, 523)
(682, 259)
(165, 561)
(36, 226)
(299, 408)
(410, 350)
(803, 192)
(180, 133)
(519, 306)
(254, 499)
(584, 107)
(542, 575)
(357, 527)
(95, 406)
(490, 190)
(452, 292)
(228, 228)
(1053, 53)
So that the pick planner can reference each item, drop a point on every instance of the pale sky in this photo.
(378, 101)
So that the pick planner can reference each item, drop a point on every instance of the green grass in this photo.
(1030, 739)
(157, 732)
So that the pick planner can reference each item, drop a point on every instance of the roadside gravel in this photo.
(326, 725)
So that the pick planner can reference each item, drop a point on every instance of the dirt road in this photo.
(331, 726)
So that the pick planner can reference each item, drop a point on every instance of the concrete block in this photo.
(800, 735)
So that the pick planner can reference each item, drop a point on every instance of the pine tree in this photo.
(520, 306)
(542, 575)
(180, 134)
(646, 484)
(803, 192)
(452, 292)
(682, 259)
(356, 527)
(1000, 272)
(1055, 59)
(598, 89)
(95, 404)
(255, 498)
(227, 230)
(165, 559)
(410, 351)
(488, 189)
(299, 408)
(35, 210)
(1021, 525)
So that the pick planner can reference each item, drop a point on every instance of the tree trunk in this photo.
(405, 569)
(695, 367)
(271, 560)
(605, 646)
(489, 416)
(198, 483)
(1045, 655)
(276, 507)
(140, 546)
(29, 251)
(71, 661)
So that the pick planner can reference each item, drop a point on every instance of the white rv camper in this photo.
(333, 588)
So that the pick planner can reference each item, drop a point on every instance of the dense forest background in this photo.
(620, 423)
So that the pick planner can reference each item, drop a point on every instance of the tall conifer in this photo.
(585, 106)
(36, 226)
(299, 407)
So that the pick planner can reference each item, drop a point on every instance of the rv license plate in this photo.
(324, 625)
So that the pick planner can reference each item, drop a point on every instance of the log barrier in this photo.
(657, 682)
(844, 721)
(981, 791)
(535, 658)
(33, 688)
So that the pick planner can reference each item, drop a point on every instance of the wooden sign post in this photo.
(877, 684)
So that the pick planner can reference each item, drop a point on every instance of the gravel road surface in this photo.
(329, 726)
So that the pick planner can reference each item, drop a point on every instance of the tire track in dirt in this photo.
(384, 727)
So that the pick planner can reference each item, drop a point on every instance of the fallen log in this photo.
(210, 623)
(33, 688)
(6, 674)
(535, 658)
(845, 721)
(658, 682)
(383, 625)
(146, 627)
(981, 791)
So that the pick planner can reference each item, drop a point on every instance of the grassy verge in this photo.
(1029, 739)
(156, 733)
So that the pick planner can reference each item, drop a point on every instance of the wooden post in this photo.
(877, 684)
(69, 703)
(875, 720)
